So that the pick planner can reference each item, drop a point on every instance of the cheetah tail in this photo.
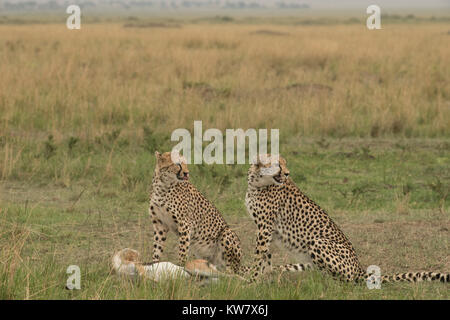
(408, 276)
(243, 270)
(293, 267)
(297, 267)
(416, 277)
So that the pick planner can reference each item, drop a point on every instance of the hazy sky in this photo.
(314, 3)
(381, 3)
(321, 5)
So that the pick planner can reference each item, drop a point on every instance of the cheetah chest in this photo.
(163, 214)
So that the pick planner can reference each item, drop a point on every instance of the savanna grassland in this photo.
(364, 125)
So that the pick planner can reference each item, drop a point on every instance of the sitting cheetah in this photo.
(284, 214)
(175, 204)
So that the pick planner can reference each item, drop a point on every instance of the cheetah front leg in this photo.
(262, 255)
(159, 235)
(184, 231)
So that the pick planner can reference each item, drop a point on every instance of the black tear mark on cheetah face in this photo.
(172, 167)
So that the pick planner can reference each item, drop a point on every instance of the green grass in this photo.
(70, 203)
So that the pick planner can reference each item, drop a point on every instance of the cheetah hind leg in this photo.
(335, 258)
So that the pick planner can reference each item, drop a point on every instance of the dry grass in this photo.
(389, 82)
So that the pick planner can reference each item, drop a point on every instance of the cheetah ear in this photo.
(256, 160)
(157, 154)
(261, 159)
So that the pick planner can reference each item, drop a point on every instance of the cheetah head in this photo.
(265, 172)
(171, 167)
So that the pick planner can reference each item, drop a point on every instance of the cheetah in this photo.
(285, 215)
(176, 205)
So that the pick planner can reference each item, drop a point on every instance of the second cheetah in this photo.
(284, 214)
